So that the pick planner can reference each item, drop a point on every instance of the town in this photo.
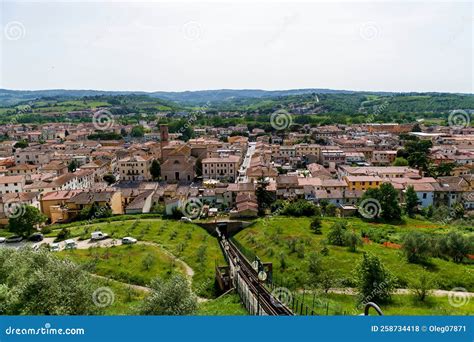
(215, 203)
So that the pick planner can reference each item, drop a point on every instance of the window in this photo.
(424, 195)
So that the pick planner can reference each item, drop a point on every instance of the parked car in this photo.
(99, 236)
(36, 237)
(54, 247)
(14, 238)
(2, 239)
(128, 240)
(186, 219)
(70, 244)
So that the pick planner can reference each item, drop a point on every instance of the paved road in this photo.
(246, 162)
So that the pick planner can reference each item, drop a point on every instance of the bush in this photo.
(374, 282)
(455, 245)
(63, 234)
(173, 297)
(316, 225)
(46, 230)
(352, 240)
(416, 246)
(301, 208)
(422, 286)
(39, 283)
(337, 234)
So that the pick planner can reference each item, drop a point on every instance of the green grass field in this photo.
(227, 305)
(133, 264)
(270, 239)
(343, 304)
(188, 242)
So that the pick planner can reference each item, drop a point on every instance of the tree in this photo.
(316, 225)
(73, 165)
(330, 210)
(389, 201)
(422, 286)
(456, 246)
(327, 280)
(199, 167)
(172, 297)
(386, 199)
(374, 282)
(25, 220)
(315, 266)
(416, 246)
(352, 240)
(39, 283)
(411, 201)
(137, 131)
(441, 170)
(21, 144)
(301, 208)
(416, 152)
(264, 198)
(400, 161)
(95, 211)
(155, 169)
(337, 234)
(109, 179)
(148, 261)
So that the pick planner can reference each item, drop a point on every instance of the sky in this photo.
(192, 45)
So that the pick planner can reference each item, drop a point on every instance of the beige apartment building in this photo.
(135, 168)
(221, 168)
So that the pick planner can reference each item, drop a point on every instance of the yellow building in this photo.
(362, 182)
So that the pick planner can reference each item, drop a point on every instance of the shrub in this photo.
(301, 208)
(337, 234)
(316, 225)
(352, 240)
(374, 282)
(422, 286)
(416, 246)
(455, 245)
(172, 297)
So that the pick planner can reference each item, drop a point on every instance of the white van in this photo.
(99, 236)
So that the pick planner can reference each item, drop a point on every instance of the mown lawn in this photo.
(189, 242)
(271, 239)
(133, 264)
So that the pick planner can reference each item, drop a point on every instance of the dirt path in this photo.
(86, 244)
(107, 243)
(135, 287)
(188, 269)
